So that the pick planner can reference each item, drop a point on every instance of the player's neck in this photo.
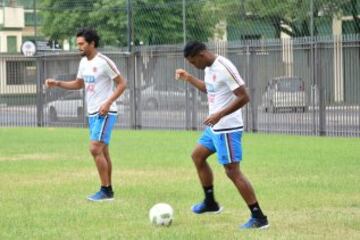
(91, 55)
(212, 58)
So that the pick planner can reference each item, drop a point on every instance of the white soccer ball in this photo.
(161, 214)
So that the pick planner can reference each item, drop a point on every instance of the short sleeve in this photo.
(110, 69)
(233, 79)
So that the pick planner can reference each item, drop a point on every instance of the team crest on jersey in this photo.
(94, 69)
(214, 77)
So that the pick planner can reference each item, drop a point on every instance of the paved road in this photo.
(339, 121)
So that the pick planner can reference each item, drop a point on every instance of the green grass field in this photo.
(308, 186)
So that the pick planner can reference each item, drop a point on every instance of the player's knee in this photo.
(232, 172)
(95, 150)
(198, 160)
(194, 156)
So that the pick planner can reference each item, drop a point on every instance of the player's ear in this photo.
(202, 53)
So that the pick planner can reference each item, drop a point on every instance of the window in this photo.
(29, 19)
(11, 44)
(32, 20)
(18, 73)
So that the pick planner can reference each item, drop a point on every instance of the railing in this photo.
(307, 86)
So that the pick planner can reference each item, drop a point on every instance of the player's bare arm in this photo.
(242, 98)
(120, 88)
(69, 85)
(182, 74)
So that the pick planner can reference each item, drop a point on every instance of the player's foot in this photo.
(101, 196)
(206, 208)
(259, 223)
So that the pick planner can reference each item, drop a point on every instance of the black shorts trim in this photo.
(228, 129)
(94, 113)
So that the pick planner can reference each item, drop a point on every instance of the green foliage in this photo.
(161, 21)
(290, 16)
(113, 18)
(156, 22)
(153, 21)
(63, 18)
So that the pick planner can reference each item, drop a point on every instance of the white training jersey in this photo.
(221, 79)
(98, 74)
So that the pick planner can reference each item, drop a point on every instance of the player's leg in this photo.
(241, 182)
(199, 157)
(100, 134)
(108, 159)
(202, 151)
(230, 154)
(243, 185)
(97, 151)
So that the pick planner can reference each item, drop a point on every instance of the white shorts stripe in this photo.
(227, 148)
(102, 128)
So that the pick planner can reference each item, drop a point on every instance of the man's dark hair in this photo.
(193, 48)
(90, 35)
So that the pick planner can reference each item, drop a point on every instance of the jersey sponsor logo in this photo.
(210, 87)
(90, 87)
(89, 78)
(211, 98)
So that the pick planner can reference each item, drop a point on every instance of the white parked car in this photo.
(284, 94)
(69, 106)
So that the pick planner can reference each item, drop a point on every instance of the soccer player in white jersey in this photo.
(97, 74)
(226, 96)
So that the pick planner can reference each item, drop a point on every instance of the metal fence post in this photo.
(313, 81)
(137, 91)
(322, 96)
(247, 76)
(39, 92)
(129, 25)
(194, 108)
(131, 84)
(131, 63)
(252, 88)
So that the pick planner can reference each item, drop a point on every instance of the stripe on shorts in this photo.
(230, 147)
(103, 128)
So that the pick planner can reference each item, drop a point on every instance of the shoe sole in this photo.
(102, 200)
(264, 227)
(260, 228)
(209, 212)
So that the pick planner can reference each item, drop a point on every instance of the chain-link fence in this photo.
(301, 86)
(125, 23)
(299, 60)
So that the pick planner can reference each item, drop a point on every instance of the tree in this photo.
(161, 21)
(62, 18)
(292, 17)
(153, 21)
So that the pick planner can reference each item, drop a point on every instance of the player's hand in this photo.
(181, 74)
(213, 119)
(50, 83)
(104, 108)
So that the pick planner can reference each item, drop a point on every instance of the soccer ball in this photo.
(161, 214)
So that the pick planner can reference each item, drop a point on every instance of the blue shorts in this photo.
(226, 145)
(101, 126)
